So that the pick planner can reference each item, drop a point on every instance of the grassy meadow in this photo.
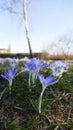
(19, 109)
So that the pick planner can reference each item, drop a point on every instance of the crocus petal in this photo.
(49, 80)
(42, 79)
(5, 77)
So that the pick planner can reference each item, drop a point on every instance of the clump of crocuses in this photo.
(33, 67)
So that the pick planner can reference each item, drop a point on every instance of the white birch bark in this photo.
(26, 27)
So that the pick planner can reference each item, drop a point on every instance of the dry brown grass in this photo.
(46, 56)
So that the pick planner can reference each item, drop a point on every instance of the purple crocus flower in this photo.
(46, 81)
(50, 80)
(9, 75)
(13, 65)
(58, 68)
(33, 66)
(2, 60)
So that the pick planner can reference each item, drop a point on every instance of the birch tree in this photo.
(19, 8)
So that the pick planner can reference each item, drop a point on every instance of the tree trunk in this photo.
(26, 28)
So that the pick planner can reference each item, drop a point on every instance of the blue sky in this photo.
(48, 20)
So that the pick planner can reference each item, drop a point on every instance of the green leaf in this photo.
(2, 93)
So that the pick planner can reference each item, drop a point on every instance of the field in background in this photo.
(46, 56)
(43, 55)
